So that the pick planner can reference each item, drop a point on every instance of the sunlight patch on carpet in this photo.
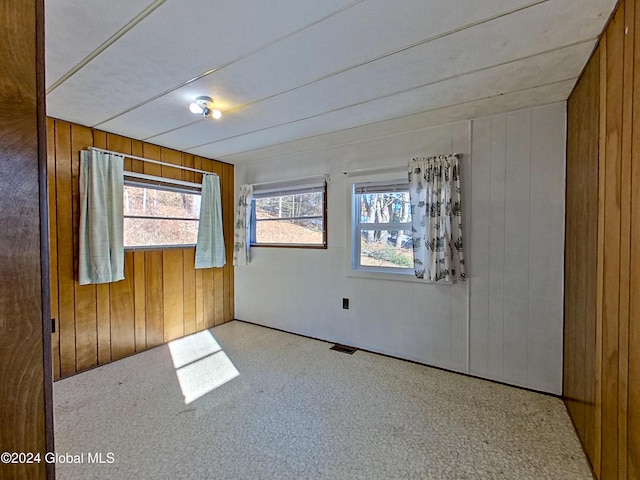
(201, 365)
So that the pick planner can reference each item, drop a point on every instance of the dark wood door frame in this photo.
(26, 400)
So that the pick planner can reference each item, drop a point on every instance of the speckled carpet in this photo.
(245, 402)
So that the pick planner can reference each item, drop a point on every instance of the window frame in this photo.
(158, 184)
(357, 226)
(283, 189)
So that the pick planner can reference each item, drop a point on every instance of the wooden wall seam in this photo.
(611, 246)
(162, 297)
(625, 233)
(633, 390)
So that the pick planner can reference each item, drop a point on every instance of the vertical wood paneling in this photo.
(210, 294)
(231, 299)
(66, 288)
(200, 322)
(189, 289)
(139, 301)
(581, 256)
(137, 149)
(625, 235)
(123, 337)
(162, 297)
(103, 311)
(590, 234)
(139, 287)
(153, 267)
(85, 295)
(218, 279)
(53, 246)
(154, 306)
(171, 156)
(173, 294)
(188, 264)
(602, 107)
(605, 352)
(227, 207)
(571, 356)
(121, 293)
(172, 266)
(25, 386)
(633, 423)
(584, 241)
(152, 152)
(611, 268)
(200, 294)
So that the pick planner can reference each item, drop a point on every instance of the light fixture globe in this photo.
(203, 106)
(195, 108)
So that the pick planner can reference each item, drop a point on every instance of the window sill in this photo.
(395, 277)
(158, 247)
(283, 245)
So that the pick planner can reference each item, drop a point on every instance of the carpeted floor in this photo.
(263, 404)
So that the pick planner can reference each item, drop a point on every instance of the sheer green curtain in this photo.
(101, 249)
(436, 216)
(210, 247)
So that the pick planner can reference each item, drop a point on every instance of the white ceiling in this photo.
(294, 75)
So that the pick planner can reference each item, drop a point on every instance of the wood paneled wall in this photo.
(162, 297)
(26, 404)
(581, 254)
(602, 262)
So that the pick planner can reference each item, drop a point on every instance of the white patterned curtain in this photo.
(101, 245)
(210, 247)
(242, 225)
(436, 211)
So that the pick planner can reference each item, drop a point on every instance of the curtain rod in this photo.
(162, 180)
(392, 168)
(157, 162)
(274, 182)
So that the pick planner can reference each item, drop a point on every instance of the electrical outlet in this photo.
(345, 303)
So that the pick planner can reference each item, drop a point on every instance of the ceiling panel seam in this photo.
(489, 97)
(394, 52)
(230, 156)
(231, 62)
(331, 74)
(398, 92)
(110, 41)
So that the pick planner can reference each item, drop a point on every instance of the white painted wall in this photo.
(504, 323)
(517, 246)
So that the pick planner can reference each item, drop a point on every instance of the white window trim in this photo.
(375, 273)
(165, 185)
(356, 226)
(289, 188)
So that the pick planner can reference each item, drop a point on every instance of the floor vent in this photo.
(343, 348)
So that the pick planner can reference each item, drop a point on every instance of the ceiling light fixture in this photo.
(204, 106)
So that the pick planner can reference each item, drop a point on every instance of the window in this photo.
(382, 239)
(160, 216)
(293, 216)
